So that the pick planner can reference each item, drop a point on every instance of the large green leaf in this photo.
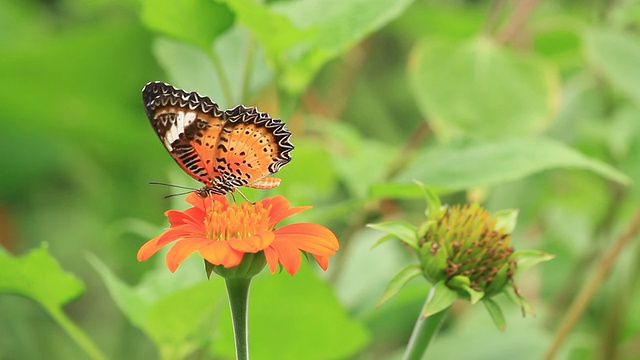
(301, 36)
(478, 89)
(454, 167)
(274, 31)
(174, 311)
(38, 276)
(616, 55)
(197, 22)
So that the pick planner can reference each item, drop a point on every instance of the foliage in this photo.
(523, 105)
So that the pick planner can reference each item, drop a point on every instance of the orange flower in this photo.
(222, 233)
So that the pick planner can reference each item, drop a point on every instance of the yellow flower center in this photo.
(236, 221)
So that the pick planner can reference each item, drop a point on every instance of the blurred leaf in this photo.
(399, 281)
(451, 167)
(335, 27)
(353, 156)
(496, 314)
(507, 219)
(616, 55)
(440, 297)
(176, 316)
(482, 90)
(38, 276)
(527, 259)
(274, 31)
(197, 22)
(623, 130)
(403, 230)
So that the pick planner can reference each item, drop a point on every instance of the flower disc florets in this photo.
(464, 241)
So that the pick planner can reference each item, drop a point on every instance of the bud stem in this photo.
(423, 332)
(238, 292)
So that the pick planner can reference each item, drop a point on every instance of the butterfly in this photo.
(223, 149)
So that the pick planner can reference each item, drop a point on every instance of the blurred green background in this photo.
(518, 104)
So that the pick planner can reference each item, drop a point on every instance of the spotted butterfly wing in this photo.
(223, 149)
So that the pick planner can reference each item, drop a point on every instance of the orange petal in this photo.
(252, 244)
(204, 203)
(182, 249)
(219, 253)
(288, 255)
(193, 216)
(149, 248)
(323, 261)
(272, 259)
(313, 238)
(280, 209)
(152, 246)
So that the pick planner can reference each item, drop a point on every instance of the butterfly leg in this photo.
(243, 196)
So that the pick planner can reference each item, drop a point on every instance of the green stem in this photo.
(423, 332)
(76, 333)
(238, 292)
(222, 77)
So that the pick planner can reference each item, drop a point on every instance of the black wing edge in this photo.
(157, 94)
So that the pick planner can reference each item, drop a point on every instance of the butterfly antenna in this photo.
(172, 185)
(178, 194)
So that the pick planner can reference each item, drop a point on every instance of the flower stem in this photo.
(423, 332)
(76, 333)
(238, 292)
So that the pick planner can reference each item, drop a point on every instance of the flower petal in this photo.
(313, 238)
(323, 261)
(182, 249)
(204, 203)
(272, 259)
(220, 253)
(288, 255)
(252, 244)
(280, 209)
(193, 216)
(152, 246)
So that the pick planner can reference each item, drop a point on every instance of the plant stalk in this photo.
(423, 333)
(238, 292)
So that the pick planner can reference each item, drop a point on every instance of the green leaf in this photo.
(496, 314)
(616, 55)
(506, 219)
(403, 230)
(434, 206)
(38, 276)
(455, 167)
(197, 22)
(399, 281)
(463, 283)
(482, 90)
(335, 26)
(176, 313)
(274, 31)
(527, 259)
(440, 297)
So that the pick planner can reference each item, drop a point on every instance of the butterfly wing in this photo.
(188, 125)
(222, 149)
(251, 147)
